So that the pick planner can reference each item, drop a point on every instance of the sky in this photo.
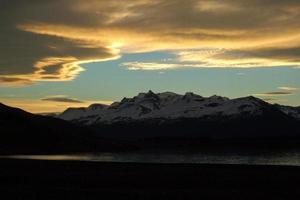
(72, 53)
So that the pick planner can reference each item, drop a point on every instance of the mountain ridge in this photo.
(169, 105)
(26, 133)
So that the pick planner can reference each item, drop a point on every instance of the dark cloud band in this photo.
(49, 40)
(62, 99)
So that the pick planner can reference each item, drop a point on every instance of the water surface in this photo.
(291, 158)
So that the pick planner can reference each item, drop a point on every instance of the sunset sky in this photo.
(56, 54)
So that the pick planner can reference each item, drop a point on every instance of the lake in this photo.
(290, 158)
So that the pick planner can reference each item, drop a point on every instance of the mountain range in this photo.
(190, 115)
(150, 120)
(169, 106)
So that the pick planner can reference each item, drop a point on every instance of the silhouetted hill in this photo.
(23, 132)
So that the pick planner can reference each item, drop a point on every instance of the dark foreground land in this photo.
(28, 179)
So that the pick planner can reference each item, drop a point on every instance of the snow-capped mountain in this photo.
(170, 105)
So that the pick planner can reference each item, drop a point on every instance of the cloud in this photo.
(287, 88)
(241, 58)
(26, 57)
(274, 100)
(50, 40)
(14, 81)
(154, 66)
(282, 91)
(269, 99)
(62, 99)
(275, 93)
(149, 66)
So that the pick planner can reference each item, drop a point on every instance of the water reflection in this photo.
(287, 158)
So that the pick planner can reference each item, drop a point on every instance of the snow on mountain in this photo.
(289, 110)
(165, 105)
(76, 113)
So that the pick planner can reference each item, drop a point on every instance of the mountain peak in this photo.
(167, 94)
(216, 97)
(252, 99)
(97, 106)
(191, 94)
(146, 94)
(150, 94)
